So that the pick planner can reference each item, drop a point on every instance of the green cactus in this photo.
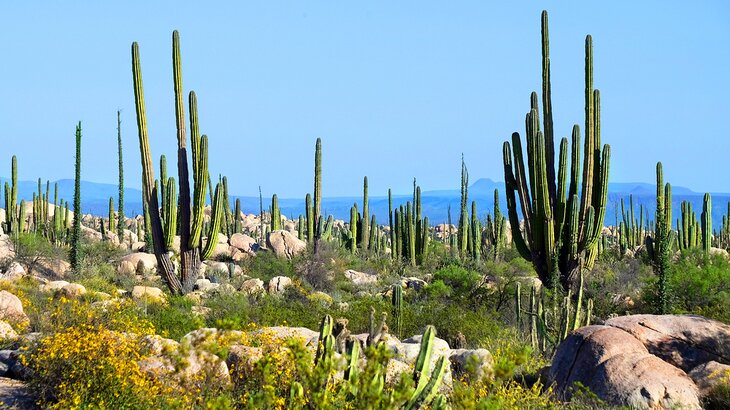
(496, 229)
(317, 210)
(427, 383)
(75, 253)
(561, 229)
(181, 281)
(275, 214)
(310, 218)
(365, 234)
(237, 217)
(170, 214)
(707, 223)
(397, 307)
(463, 232)
(353, 228)
(300, 228)
(120, 213)
(112, 218)
(21, 217)
(476, 233)
(660, 246)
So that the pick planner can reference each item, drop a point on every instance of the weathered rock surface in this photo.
(285, 244)
(142, 262)
(360, 278)
(11, 308)
(149, 293)
(645, 361)
(277, 284)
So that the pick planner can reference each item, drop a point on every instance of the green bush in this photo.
(173, 319)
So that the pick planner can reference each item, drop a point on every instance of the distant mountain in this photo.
(435, 203)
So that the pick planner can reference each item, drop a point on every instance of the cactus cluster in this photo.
(660, 245)
(631, 228)
(495, 232)
(411, 233)
(190, 227)
(562, 222)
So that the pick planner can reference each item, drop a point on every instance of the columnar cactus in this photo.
(476, 233)
(365, 225)
(310, 218)
(181, 281)
(120, 213)
(660, 246)
(427, 383)
(707, 223)
(317, 211)
(112, 219)
(496, 229)
(237, 217)
(275, 214)
(75, 252)
(562, 226)
(397, 307)
(463, 233)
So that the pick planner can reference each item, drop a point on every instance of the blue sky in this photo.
(394, 90)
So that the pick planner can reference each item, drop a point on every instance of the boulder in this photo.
(285, 244)
(52, 267)
(7, 332)
(142, 262)
(708, 375)
(620, 370)
(277, 284)
(244, 243)
(413, 283)
(149, 294)
(361, 278)
(73, 290)
(204, 285)
(11, 308)
(477, 363)
(53, 286)
(14, 270)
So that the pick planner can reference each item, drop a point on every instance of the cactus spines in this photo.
(76, 232)
(561, 229)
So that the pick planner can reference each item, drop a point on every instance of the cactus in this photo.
(112, 220)
(310, 218)
(300, 228)
(75, 252)
(228, 217)
(181, 281)
(237, 217)
(21, 218)
(707, 223)
(463, 215)
(561, 229)
(496, 229)
(397, 307)
(476, 233)
(120, 213)
(660, 246)
(365, 234)
(426, 385)
(353, 228)
(170, 213)
(275, 214)
(317, 210)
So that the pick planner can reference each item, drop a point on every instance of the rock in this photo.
(719, 251)
(15, 394)
(200, 311)
(617, 367)
(407, 350)
(281, 333)
(52, 267)
(204, 285)
(53, 286)
(244, 243)
(148, 293)
(360, 278)
(143, 262)
(73, 290)
(138, 246)
(285, 244)
(11, 308)
(241, 359)
(685, 341)
(7, 332)
(217, 269)
(477, 363)
(394, 369)
(14, 270)
(252, 286)
(126, 268)
(708, 375)
(277, 284)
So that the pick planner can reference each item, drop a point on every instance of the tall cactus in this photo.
(660, 246)
(463, 233)
(317, 211)
(237, 217)
(561, 228)
(707, 223)
(310, 217)
(112, 220)
(191, 252)
(120, 213)
(364, 243)
(496, 229)
(76, 232)
(275, 214)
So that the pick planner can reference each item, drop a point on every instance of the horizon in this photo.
(383, 85)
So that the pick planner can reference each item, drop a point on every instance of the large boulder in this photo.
(253, 286)
(11, 308)
(645, 361)
(7, 332)
(284, 244)
(244, 243)
(277, 284)
(148, 294)
(14, 270)
(142, 262)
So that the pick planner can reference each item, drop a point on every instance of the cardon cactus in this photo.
(561, 226)
(190, 226)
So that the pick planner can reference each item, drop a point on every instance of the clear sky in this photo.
(395, 89)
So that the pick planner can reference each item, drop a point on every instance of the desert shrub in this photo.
(461, 280)
(90, 366)
(32, 248)
(174, 318)
(227, 310)
(613, 279)
(266, 266)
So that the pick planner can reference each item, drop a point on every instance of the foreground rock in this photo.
(645, 361)
(15, 394)
(11, 308)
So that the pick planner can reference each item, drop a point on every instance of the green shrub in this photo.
(173, 319)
